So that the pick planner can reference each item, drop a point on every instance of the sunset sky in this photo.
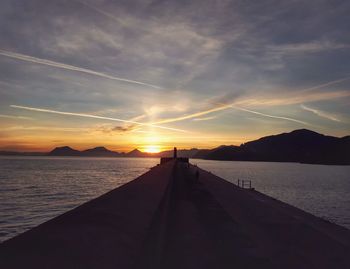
(157, 74)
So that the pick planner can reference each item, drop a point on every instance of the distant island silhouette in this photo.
(303, 146)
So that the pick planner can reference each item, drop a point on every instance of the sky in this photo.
(157, 74)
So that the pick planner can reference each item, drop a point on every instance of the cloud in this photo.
(158, 47)
(116, 129)
(95, 117)
(320, 113)
(36, 60)
(194, 48)
(123, 128)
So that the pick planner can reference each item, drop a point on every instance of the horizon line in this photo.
(166, 148)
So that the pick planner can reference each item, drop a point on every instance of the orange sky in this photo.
(127, 76)
(44, 139)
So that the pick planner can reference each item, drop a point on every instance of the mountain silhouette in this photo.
(100, 152)
(302, 146)
(64, 151)
(183, 153)
(136, 153)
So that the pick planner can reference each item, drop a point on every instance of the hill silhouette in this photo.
(64, 151)
(302, 146)
(100, 152)
(136, 153)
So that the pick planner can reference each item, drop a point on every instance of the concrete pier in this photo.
(180, 216)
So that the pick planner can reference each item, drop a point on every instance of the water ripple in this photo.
(36, 189)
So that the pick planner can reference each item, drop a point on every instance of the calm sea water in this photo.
(35, 189)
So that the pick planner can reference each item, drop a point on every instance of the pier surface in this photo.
(179, 216)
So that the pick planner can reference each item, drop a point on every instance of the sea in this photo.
(36, 189)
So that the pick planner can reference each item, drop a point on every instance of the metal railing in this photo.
(244, 184)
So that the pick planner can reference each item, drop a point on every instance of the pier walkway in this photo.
(180, 216)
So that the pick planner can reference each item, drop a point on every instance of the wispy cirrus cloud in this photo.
(321, 113)
(36, 60)
(79, 50)
(177, 51)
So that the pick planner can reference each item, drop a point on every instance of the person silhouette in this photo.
(197, 174)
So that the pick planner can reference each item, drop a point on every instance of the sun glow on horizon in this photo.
(152, 149)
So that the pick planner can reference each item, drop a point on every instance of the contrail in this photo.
(204, 119)
(232, 105)
(36, 60)
(109, 15)
(14, 117)
(224, 107)
(320, 113)
(327, 84)
(270, 116)
(95, 117)
(195, 115)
